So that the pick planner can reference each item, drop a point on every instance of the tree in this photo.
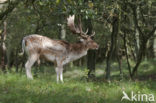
(144, 35)
(3, 47)
(115, 25)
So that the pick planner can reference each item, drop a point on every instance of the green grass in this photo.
(16, 88)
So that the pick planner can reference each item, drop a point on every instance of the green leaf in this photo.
(57, 1)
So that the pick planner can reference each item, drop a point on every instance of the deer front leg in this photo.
(59, 72)
(59, 69)
(61, 75)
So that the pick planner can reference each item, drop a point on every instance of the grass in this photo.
(16, 88)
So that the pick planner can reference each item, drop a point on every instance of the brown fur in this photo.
(78, 47)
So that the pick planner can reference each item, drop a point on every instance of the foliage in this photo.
(136, 22)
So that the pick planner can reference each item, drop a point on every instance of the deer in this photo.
(59, 52)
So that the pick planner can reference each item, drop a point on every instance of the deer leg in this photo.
(38, 62)
(29, 64)
(61, 74)
(57, 72)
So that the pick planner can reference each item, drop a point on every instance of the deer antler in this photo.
(75, 29)
(92, 34)
(70, 23)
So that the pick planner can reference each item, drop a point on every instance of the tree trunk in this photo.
(137, 46)
(91, 57)
(17, 60)
(3, 47)
(126, 53)
(119, 60)
(142, 38)
(150, 47)
(154, 47)
(139, 58)
(114, 34)
(62, 30)
(91, 63)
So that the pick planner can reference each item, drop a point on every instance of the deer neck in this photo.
(78, 48)
(76, 51)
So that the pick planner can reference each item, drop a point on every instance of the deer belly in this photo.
(67, 60)
(73, 57)
(50, 57)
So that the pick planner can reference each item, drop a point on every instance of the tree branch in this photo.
(136, 20)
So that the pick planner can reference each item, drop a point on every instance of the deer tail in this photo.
(23, 47)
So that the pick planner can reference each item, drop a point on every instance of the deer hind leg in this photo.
(31, 60)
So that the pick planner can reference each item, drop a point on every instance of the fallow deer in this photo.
(58, 51)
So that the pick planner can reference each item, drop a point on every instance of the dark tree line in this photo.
(124, 30)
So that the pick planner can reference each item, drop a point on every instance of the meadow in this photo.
(16, 88)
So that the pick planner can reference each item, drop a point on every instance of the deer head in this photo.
(86, 39)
